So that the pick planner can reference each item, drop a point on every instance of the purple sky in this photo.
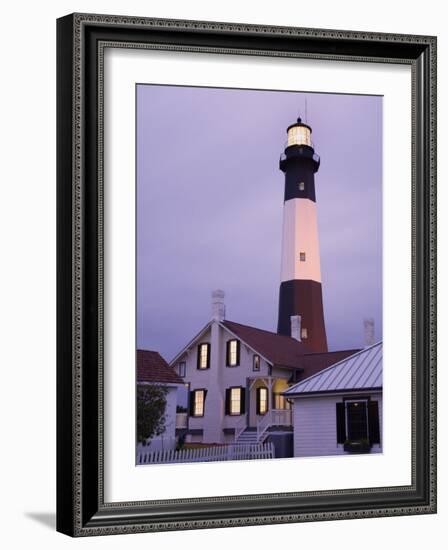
(210, 201)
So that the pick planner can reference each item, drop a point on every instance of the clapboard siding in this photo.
(315, 425)
(215, 380)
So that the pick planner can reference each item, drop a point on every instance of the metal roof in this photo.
(363, 370)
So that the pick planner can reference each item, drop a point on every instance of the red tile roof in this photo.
(280, 350)
(152, 367)
(284, 351)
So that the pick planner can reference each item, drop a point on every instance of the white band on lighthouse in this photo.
(300, 248)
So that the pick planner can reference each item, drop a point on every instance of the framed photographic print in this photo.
(246, 274)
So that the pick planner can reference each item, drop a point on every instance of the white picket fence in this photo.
(209, 454)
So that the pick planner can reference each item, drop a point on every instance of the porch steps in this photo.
(247, 437)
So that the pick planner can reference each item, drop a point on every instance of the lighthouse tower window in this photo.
(301, 186)
(302, 257)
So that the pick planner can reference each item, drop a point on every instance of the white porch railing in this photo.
(274, 417)
(181, 420)
(263, 425)
(281, 417)
(240, 426)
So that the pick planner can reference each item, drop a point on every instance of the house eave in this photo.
(159, 383)
(351, 391)
(288, 367)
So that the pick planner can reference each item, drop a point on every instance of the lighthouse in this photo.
(300, 299)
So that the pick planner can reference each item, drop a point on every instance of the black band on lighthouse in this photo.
(304, 298)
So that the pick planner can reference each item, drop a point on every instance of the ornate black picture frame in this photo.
(81, 509)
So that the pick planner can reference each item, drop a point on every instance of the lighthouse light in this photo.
(299, 135)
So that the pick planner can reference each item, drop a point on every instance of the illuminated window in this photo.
(301, 186)
(302, 257)
(256, 363)
(203, 356)
(280, 402)
(182, 369)
(262, 400)
(235, 401)
(197, 402)
(233, 353)
(304, 333)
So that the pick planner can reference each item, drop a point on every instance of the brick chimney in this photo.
(218, 306)
(369, 332)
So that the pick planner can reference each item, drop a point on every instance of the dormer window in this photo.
(233, 353)
(203, 356)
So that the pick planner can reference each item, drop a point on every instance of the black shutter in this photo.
(258, 400)
(374, 423)
(191, 398)
(243, 401)
(227, 352)
(208, 358)
(227, 401)
(340, 422)
(237, 352)
(198, 357)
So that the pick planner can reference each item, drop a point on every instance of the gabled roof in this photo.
(152, 367)
(199, 335)
(360, 371)
(278, 349)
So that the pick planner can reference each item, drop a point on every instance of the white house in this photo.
(236, 376)
(152, 369)
(339, 410)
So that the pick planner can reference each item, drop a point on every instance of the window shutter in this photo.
(227, 353)
(258, 400)
(191, 399)
(243, 401)
(237, 352)
(198, 356)
(374, 423)
(227, 401)
(340, 422)
(208, 357)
